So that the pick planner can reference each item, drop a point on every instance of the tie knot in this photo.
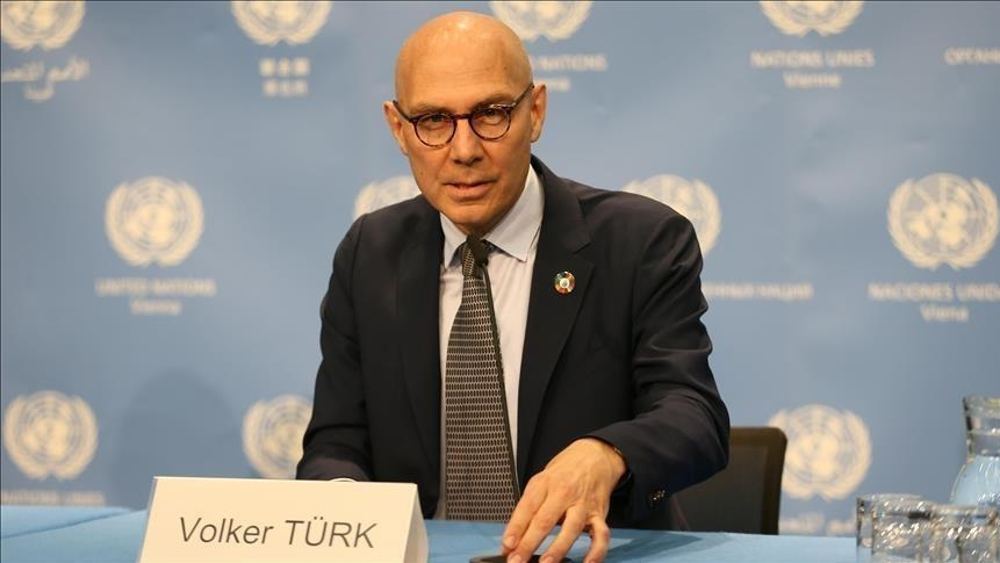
(469, 266)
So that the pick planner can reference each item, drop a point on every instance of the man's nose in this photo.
(466, 146)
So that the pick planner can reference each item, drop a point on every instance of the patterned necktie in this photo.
(480, 477)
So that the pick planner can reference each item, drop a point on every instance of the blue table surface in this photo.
(109, 534)
(18, 520)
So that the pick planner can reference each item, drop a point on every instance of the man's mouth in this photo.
(468, 185)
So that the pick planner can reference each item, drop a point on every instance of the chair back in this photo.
(745, 497)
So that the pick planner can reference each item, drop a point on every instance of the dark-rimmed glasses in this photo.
(488, 122)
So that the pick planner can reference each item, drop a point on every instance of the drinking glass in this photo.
(863, 520)
(965, 534)
(901, 530)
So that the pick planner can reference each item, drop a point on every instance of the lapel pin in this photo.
(564, 283)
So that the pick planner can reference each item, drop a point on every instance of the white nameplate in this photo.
(201, 519)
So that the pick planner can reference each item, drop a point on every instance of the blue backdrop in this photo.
(176, 176)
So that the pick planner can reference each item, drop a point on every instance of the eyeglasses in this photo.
(488, 123)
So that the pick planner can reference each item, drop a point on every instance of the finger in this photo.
(532, 499)
(600, 537)
(541, 524)
(572, 526)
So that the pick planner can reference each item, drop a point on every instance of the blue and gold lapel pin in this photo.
(564, 283)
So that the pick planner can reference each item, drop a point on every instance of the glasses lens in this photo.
(436, 128)
(490, 123)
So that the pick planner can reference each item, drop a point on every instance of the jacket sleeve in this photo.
(336, 442)
(679, 435)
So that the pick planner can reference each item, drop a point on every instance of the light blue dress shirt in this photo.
(510, 267)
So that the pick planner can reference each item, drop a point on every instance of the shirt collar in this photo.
(514, 233)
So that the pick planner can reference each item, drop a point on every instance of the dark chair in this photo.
(744, 497)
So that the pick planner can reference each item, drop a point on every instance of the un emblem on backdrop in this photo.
(272, 435)
(553, 19)
(799, 17)
(50, 24)
(694, 200)
(154, 220)
(269, 21)
(377, 195)
(943, 219)
(828, 453)
(48, 433)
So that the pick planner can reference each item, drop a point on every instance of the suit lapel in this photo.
(417, 297)
(551, 315)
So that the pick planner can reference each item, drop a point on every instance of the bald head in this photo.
(461, 71)
(481, 37)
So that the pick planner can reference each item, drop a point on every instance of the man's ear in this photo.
(396, 123)
(539, 101)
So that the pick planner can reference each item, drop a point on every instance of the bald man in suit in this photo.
(611, 402)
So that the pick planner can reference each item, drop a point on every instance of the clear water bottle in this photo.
(979, 480)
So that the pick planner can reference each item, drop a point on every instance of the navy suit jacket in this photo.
(623, 357)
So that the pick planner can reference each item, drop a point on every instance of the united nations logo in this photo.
(942, 218)
(694, 200)
(48, 433)
(154, 220)
(269, 21)
(828, 453)
(799, 17)
(554, 19)
(272, 435)
(377, 195)
(49, 23)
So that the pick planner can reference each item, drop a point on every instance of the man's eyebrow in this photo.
(423, 109)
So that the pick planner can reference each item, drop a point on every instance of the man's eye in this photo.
(436, 119)
(491, 114)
